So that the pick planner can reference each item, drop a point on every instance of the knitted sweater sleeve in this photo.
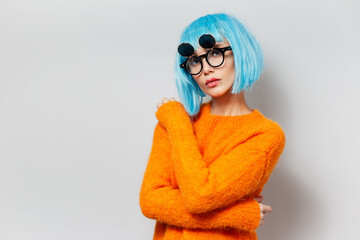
(159, 200)
(230, 177)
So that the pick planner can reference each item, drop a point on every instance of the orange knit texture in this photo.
(202, 176)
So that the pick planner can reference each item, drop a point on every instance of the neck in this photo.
(230, 105)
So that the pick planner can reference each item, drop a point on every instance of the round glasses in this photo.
(214, 57)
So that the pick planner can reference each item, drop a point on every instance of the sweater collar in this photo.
(254, 115)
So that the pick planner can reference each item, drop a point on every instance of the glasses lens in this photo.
(215, 58)
(193, 65)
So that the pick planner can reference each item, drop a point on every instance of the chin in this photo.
(216, 94)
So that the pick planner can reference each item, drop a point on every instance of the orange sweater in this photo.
(202, 176)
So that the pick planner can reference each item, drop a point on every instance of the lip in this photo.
(211, 80)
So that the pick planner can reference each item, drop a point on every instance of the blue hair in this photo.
(248, 57)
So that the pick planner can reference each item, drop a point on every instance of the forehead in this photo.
(201, 50)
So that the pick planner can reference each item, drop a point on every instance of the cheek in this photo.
(232, 64)
(230, 68)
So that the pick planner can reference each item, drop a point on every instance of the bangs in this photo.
(192, 36)
(204, 25)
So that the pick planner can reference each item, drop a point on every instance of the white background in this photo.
(79, 84)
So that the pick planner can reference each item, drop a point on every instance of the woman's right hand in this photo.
(263, 209)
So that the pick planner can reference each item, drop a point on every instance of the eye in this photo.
(194, 61)
(215, 53)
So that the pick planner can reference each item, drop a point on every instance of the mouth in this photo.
(211, 80)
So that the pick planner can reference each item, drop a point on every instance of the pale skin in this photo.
(223, 101)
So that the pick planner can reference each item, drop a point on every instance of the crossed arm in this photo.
(231, 176)
(160, 201)
(208, 196)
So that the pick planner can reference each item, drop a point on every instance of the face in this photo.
(224, 75)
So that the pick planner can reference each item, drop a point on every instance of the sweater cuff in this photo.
(250, 215)
(172, 115)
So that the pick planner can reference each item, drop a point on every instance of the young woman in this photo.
(210, 161)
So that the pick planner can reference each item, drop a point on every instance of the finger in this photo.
(267, 208)
(261, 207)
(172, 99)
(158, 105)
(165, 100)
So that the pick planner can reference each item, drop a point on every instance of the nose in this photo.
(206, 67)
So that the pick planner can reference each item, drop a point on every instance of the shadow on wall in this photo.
(294, 207)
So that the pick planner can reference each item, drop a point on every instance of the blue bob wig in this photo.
(248, 57)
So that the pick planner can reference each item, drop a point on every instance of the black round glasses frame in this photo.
(221, 50)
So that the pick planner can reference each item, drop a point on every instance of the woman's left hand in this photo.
(165, 100)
